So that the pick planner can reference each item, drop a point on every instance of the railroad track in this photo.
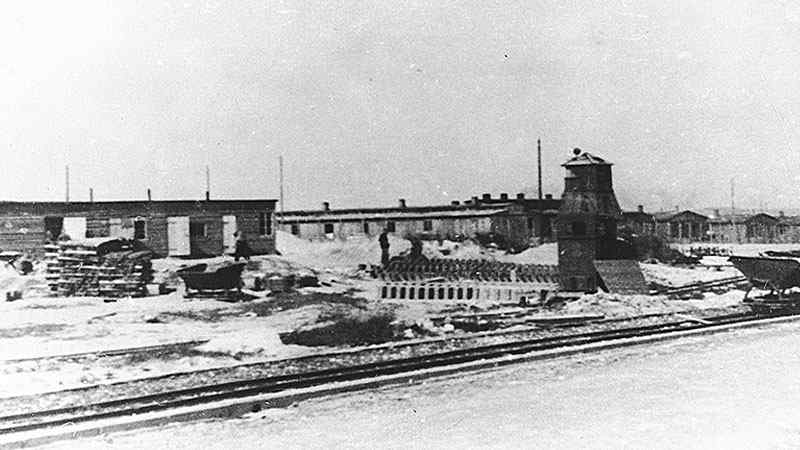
(703, 285)
(131, 351)
(43, 419)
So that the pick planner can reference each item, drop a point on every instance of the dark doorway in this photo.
(53, 226)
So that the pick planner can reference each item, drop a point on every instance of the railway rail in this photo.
(704, 285)
(121, 352)
(48, 418)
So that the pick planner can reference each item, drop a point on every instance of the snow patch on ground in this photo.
(678, 276)
(617, 306)
(263, 341)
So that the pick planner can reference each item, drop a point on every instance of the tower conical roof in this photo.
(586, 159)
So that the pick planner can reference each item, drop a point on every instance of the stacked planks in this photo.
(85, 268)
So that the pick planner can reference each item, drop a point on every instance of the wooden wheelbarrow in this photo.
(225, 280)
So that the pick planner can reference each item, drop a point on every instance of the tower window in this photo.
(427, 225)
(295, 229)
(578, 228)
(328, 228)
(390, 226)
(366, 227)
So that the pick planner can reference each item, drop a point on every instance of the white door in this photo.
(75, 227)
(228, 239)
(178, 236)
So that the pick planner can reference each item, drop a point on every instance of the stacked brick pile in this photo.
(85, 268)
(467, 269)
(53, 267)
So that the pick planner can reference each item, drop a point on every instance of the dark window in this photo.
(685, 229)
(366, 227)
(53, 227)
(600, 228)
(295, 229)
(139, 229)
(547, 228)
(197, 230)
(674, 229)
(578, 228)
(328, 228)
(427, 225)
(390, 226)
(264, 224)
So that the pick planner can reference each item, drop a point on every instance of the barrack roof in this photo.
(389, 213)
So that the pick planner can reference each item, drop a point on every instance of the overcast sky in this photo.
(370, 101)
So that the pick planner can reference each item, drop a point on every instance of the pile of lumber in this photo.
(98, 268)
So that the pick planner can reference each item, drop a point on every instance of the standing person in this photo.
(242, 248)
(416, 247)
(383, 239)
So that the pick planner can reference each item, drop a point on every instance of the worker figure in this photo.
(243, 249)
(383, 239)
(416, 247)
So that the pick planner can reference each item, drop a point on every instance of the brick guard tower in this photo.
(587, 221)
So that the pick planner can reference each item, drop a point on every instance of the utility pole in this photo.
(540, 222)
(539, 165)
(208, 184)
(280, 171)
(733, 212)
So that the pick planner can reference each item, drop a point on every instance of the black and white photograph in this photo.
(416, 224)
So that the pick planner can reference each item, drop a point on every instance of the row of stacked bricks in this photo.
(468, 269)
(79, 270)
(53, 267)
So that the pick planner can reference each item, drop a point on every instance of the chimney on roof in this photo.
(475, 200)
(149, 196)
(676, 208)
(455, 203)
(401, 203)
(91, 195)
(640, 208)
(781, 214)
(716, 213)
(503, 196)
(487, 196)
(521, 196)
(326, 206)
(548, 196)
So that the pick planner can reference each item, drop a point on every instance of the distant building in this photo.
(516, 221)
(689, 226)
(788, 228)
(749, 228)
(637, 222)
(587, 221)
(682, 226)
(168, 227)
